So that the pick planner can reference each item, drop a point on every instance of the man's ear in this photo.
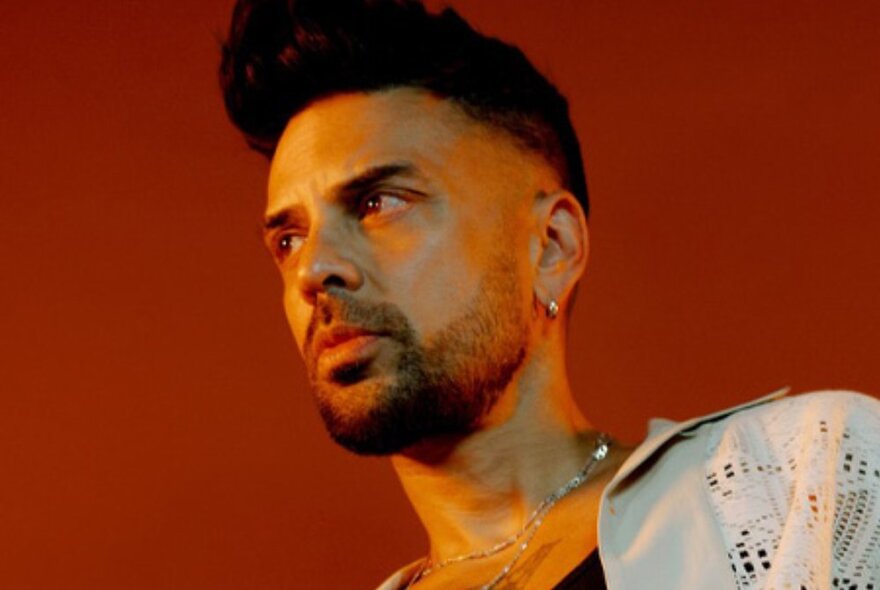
(562, 245)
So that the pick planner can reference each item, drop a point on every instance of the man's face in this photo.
(400, 227)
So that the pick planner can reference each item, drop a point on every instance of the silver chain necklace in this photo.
(525, 534)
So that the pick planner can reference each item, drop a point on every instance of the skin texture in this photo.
(420, 263)
(441, 387)
(448, 255)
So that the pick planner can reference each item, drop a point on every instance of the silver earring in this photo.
(552, 309)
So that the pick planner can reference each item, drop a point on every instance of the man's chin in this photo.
(366, 447)
(360, 417)
(366, 438)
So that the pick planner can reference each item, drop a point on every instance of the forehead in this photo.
(339, 137)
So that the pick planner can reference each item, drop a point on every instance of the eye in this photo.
(380, 203)
(287, 244)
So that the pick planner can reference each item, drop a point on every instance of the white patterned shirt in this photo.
(773, 495)
(782, 493)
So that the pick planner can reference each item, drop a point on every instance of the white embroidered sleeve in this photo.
(795, 485)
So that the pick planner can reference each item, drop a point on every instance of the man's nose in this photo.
(327, 262)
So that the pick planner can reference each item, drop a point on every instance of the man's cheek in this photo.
(433, 309)
(297, 319)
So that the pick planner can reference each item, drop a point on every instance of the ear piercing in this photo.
(552, 309)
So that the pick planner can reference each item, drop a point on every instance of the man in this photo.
(428, 211)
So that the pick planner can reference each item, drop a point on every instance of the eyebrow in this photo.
(295, 215)
(369, 178)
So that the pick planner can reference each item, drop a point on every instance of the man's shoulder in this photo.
(829, 422)
(764, 488)
(835, 401)
(779, 413)
(786, 480)
(837, 413)
(770, 414)
(820, 435)
(768, 433)
(774, 430)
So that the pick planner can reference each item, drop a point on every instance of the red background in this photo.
(155, 426)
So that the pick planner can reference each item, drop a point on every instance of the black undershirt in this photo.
(588, 575)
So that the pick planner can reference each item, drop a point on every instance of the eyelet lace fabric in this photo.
(795, 486)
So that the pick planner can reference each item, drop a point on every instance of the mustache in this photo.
(342, 309)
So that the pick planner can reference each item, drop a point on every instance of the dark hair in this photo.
(282, 55)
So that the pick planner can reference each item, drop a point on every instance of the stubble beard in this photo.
(438, 388)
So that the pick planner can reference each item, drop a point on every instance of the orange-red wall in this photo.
(155, 426)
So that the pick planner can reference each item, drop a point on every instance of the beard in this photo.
(444, 386)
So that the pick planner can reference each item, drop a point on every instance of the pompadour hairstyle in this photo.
(283, 55)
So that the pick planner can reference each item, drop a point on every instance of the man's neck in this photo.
(474, 491)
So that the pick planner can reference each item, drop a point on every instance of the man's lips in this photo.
(341, 338)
